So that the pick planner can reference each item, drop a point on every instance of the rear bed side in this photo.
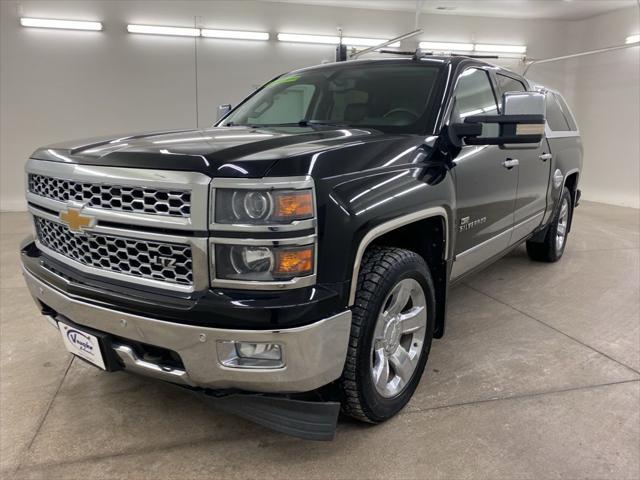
(565, 144)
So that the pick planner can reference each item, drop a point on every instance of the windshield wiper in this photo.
(310, 123)
(301, 123)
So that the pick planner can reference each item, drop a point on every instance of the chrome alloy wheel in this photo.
(563, 222)
(398, 337)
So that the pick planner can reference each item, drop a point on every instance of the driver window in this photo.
(474, 96)
(291, 102)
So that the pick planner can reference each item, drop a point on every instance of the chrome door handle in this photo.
(545, 156)
(509, 163)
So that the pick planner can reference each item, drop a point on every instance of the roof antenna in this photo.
(341, 49)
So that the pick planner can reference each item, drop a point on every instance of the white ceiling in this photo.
(553, 9)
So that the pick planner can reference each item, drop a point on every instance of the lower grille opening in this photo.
(151, 353)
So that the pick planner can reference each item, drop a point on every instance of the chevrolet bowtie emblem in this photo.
(75, 221)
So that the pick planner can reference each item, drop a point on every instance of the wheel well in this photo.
(571, 183)
(427, 239)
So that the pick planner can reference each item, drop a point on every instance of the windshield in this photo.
(394, 98)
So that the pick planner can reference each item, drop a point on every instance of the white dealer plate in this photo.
(82, 344)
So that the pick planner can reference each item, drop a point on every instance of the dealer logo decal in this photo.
(80, 340)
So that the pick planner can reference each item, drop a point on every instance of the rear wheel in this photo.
(391, 333)
(555, 240)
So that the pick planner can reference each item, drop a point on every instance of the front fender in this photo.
(358, 210)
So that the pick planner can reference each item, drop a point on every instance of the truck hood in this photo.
(218, 152)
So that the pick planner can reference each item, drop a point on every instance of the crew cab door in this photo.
(534, 170)
(485, 184)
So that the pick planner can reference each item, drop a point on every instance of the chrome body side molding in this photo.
(388, 227)
(478, 254)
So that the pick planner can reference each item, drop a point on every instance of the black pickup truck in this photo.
(294, 260)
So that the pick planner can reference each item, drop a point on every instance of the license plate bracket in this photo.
(88, 344)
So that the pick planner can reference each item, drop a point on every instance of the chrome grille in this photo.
(165, 262)
(153, 201)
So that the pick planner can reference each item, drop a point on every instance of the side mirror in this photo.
(223, 110)
(521, 123)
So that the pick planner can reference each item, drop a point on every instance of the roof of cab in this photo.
(453, 60)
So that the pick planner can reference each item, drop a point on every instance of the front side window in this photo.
(394, 98)
(474, 96)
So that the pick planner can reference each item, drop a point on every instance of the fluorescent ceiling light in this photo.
(447, 46)
(633, 39)
(65, 24)
(234, 34)
(155, 30)
(501, 48)
(333, 40)
(294, 37)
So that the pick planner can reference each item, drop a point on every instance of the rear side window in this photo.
(555, 118)
(508, 84)
(567, 112)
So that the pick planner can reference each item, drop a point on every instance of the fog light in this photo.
(266, 351)
(250, 354)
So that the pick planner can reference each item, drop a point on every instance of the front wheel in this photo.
(391, 333)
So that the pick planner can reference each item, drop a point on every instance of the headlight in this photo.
(263, 263)
(264, 233)
(262, 207)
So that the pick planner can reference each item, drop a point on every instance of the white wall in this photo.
(606, 94)
(57, 85)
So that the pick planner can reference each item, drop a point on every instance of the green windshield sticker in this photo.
(289, 79)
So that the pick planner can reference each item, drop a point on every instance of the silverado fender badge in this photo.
(76, 222)
(467, 224)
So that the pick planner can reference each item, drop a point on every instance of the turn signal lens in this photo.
(294, 262)
(293, 205)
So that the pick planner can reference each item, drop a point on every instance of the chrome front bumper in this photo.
(313, 355)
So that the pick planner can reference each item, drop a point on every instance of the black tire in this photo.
(548, 250)
(382, 269)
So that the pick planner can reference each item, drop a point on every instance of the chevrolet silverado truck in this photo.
(295, 259)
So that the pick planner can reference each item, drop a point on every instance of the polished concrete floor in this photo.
(537, 377)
